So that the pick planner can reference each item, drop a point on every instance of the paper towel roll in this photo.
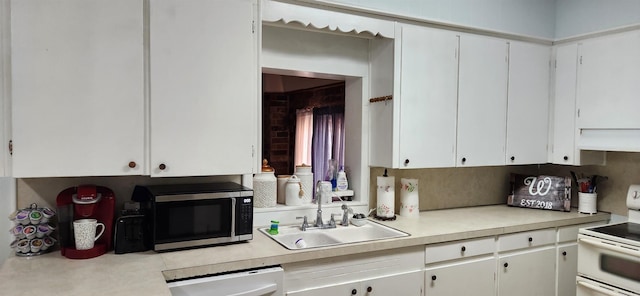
(409, 199)
(386, 197)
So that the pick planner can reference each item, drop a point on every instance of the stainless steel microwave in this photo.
(195, 215)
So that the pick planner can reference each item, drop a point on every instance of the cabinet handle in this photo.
(506, 265)
(354, 292)
(132, 164)
(463, 248)
(464, 159)
(530, 239)
(433, 277)
(406, 161)
(566, 158)
(369, 289)
(513, 158)
(162, 166)
(564, 253)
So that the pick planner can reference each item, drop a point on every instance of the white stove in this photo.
(609, 256)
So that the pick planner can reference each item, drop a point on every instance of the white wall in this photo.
(7, 206)
(533, 18)
(578, 17)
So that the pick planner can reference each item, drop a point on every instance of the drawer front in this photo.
(570, 233)
(526, 239)
(459, 249)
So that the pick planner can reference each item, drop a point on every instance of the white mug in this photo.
(84, 231)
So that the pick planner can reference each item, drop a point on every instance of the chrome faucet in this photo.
(319, 222)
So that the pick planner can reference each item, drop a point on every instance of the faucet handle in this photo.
(305, 224)
(332, 221)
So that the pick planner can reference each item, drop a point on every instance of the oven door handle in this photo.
(599, 289)
(630, 252)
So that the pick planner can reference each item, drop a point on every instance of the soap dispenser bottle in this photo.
(341, 183)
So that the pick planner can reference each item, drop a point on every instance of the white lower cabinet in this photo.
(394, 272)
(567, 262)
(409, 283)
(461, 268)
(530, 272)
(465, 277)
(527, 263)
(567, 258)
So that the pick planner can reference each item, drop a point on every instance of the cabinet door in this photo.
(564, 110)
(608, 85)
(567, 269)
(527, 273)
(482, 101)
(78, 88)
(528, 103)
(348, 289)
(428, 90)
(469, 277)
(409, 283)
(203, 87)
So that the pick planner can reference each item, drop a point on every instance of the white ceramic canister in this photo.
(294, 191)
(265, 187)
(306, 180)
(282, 188)
(409, 200)
(386, 197)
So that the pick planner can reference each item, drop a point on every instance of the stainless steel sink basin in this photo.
(315, 238)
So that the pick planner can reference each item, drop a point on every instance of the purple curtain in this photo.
(328, 142)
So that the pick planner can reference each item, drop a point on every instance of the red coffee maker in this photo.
(85, 202)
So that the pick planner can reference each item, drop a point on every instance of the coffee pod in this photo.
(29, 231)
(35, 216)
(36, 245)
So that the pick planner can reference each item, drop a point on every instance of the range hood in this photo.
(623, 140)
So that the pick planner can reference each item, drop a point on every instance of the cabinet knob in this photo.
(369, 289)
(464, 159)
(406, 161)
(433, 277)
(354, 292)
(506, 265)
(566, 157)
(132, 164)
(162, 166)
(564, 253)
(513, 158)
(530, 239)
(463, 248)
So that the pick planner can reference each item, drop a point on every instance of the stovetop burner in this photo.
(626, 230)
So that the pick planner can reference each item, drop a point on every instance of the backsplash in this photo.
(438, 188)
(44, 191)
(474, 186)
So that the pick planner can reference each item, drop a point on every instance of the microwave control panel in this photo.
(244, 215)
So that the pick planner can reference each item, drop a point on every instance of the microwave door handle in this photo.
(599, 289)
(596, 243)
(233, 217)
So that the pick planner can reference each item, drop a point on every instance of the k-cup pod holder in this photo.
(31, 231)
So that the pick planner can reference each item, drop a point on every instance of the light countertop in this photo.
(146, 273)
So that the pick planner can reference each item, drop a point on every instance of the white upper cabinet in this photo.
(482, 101)
(428, 97)
(203, 87)
(77, 88)
(528, 103)
(564, 105)
(608, 88)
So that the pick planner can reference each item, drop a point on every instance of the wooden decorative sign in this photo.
(540, 192)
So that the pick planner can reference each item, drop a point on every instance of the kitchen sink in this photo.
(316, 238)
